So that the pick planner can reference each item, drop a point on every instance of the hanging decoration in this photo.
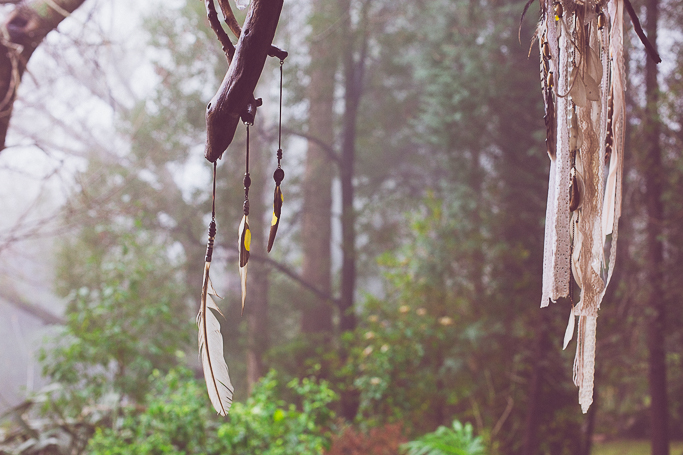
(244, 234)
(210, 339)
(278, 176)
(234, 101)
(582, 81)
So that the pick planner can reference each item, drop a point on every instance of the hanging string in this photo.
(212, 224)
(213, 194)
(247, 178)
(279, 123)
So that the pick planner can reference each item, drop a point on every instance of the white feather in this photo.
(211, 349)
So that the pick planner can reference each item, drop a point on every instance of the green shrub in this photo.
(178, 419)
(459, 440)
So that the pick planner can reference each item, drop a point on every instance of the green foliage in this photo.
(123, 321)
(459, 440)
(414, 354)
(266, 424)
(178, 419)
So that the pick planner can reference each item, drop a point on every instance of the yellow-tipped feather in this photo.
(278, 199)
(244, 246)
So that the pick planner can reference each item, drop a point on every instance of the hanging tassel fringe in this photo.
(582, 79)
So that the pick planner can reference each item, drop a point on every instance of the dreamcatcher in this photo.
(234, 102)
(582, 79)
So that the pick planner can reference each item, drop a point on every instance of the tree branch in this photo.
(331, 152)
(23, 30)
(225, 109)
(651, 51)
(296, 277)
(215, 24)
(34, 310)
(291, 274)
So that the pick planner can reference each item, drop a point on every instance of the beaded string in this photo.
(247, 178)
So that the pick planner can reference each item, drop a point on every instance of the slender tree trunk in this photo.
(353, 89)
(26, 26)
(530, 439)
(316, 227)
(653, 174)
(257, 309)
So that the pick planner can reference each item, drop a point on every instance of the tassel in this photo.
(582, 79)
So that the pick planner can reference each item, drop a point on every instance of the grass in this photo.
(631, 447)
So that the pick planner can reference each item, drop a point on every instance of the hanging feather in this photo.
(278, 199)
(210, 338)
(275, 222)
(279, 174)
(582, 80)
(244, 246)
(211, 349)
(244, 233)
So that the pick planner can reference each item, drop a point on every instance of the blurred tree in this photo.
(25, 27)
(651, 167)
(316, 217)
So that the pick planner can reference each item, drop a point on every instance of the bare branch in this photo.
(331, 152)
(14, 299)
(230, 18)
(24, 29)
(296, 277)
(212, 15)
(291, 274)
(651, 51)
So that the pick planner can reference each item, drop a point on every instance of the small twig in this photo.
(651, 51)
(230, 18)
(212, 15)
(296, 277)
(291, 274)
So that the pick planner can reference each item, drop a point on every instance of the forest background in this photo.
(403, 290)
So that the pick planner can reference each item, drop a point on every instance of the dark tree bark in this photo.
(653, 174)
(354, 69)
(236, 91)
(316, 227)
(26, 27)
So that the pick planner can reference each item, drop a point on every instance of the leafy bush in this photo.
(459, 440)
(178, 419)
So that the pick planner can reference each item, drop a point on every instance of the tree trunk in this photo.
(531, 425)
(27, 25)
(316, 220)
(353, 88)
(653, 174)
(257, 309)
